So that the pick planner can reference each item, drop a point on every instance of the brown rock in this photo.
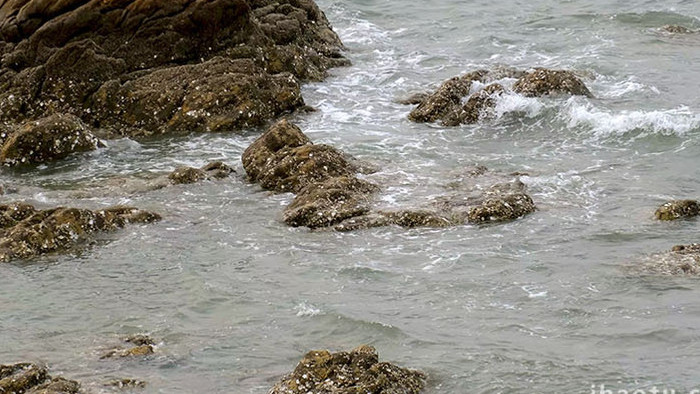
(60, 229)
(56, 386)
(284, 160)
(213, 170)
(680, 260)
(19, 378)
(357, 371)
(546, 82)
(47, 139)
(478, 106)
(676, 29)
(327, 203)
(445, 100)
(134, 67)
(678, 209)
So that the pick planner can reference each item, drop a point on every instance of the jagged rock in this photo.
(144, 345)
(60, 229)
(546, 82)
(140, 340)
(476, 108)
(677, 209)
(327, 203)
(357, 371)
(11, 214)
(213, 170)
(284, 160)
(32, 379)
(47, 139)
(500, 209)
(133, 67)
(448, 96)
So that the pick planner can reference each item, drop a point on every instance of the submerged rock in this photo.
(187, 175)
(32, 379)
(677, 29)
(144, 345)
(680, 260)
(446, 98)
(47, 139)
(357, 371)
(144, 66)
(545, 82)
(38, 232)
(478, 106)
(126, 384)
(678, 209)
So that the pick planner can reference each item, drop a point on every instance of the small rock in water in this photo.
(676, 29)
(357, 371)
(187, 175)
(126, 384)
(30, 378)
(678, 209)
(546, 82)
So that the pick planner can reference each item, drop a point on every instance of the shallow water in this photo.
(541, 304)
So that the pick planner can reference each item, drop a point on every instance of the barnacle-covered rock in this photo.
(213, 170)
(39, 232)
(678, 209)
(30, 378)
(546, 82)
(357, 371)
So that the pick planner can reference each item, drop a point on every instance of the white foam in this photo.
(513, 102)
(605, 123)
(305, 309)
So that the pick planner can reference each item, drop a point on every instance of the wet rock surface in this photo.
(143, 345)
(680, 260)
(357, 371)
(33, 379)
(678, 209)
(456, 102)
(284, 160)
(545, 82)
(27, 232)
(138, 67)
(46, 139)
(677, 29)
(187, 175)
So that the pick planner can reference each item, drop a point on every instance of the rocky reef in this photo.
(356, 371)
(141, 67)
(329, 193)
(30, 378)
(27, 232)
(455, 102)
(678, 209)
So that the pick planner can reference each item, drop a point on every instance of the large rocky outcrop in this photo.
(134, 67)
(458, 101)
(29, 378)
(354, 372)
(26, 232)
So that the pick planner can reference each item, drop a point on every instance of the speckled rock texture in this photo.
(465, 99)
(27, 378)
(355, 372)
(678, 209)
(27, 232)
(141, 67)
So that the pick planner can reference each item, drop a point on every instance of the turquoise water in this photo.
(541, 304)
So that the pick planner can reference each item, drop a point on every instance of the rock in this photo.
(126, 384)
(60, 229)
(676, 29)
(136, 351)
(140, 340)
(56, 386)
(546, 82)
(32, 379)
(284, 160)
(677, 209)
(478, 106)
(357, 371)
(680, 260)
(502, 208)
(21, 377)
(447, 98)
(145, 66)
(213, 170)
(51, 138)
(11, 214)
(327, 203)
